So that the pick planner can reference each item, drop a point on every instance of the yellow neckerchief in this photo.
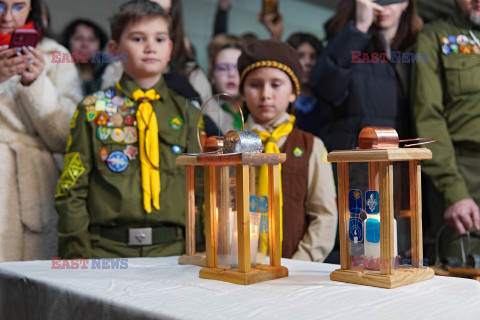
(148, 147)
(270, 141)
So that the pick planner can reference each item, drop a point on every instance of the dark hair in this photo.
(296, 39)
(408, 29)
(133, 11)
(71, 28)
(35, 16)
(180, 55)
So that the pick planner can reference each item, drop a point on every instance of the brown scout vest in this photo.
(294, 186)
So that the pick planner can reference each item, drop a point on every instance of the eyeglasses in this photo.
(16, 8)
(225, 67)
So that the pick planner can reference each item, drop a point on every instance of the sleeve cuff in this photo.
(456, 193)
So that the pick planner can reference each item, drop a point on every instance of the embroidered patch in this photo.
(100, 105)
(297, 152)
(128, 103)
(91, 113)
(90, 100)
(72, 170)
(130, 134)
(117, 161)
(73, 121)
(131, 151)
(176, 123)
(103, 154)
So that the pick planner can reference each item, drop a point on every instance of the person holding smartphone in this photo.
(37, 101)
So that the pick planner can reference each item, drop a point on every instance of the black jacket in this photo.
(360, 94)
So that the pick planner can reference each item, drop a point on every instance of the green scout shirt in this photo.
(89, 193)
(446, 100)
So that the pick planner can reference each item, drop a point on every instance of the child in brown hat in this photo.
(269, 84)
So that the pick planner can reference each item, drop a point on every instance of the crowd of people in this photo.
(89, 148)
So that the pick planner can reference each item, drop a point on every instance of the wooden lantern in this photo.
(217, 189)
(381, 178)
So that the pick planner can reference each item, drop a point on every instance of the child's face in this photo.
(224, 76)
(307, 56)
(267, 93)
(147, 45)
(84, 40)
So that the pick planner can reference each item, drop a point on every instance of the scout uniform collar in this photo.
(128, 86)
(253, 125)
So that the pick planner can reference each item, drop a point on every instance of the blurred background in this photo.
(298, 15)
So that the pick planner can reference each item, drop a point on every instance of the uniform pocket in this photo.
(116, 158)
(462, 74)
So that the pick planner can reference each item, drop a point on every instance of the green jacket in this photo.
(446, 102)
(89, 192)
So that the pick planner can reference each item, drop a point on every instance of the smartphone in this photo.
(24, 37)
(270, 6)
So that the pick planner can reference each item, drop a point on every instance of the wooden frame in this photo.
(242, 163)
(380, 167)
(191, 256)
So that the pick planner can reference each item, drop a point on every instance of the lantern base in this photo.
(198, 259)
(258, 274)
(398, 278)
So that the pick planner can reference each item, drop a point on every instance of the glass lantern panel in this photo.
(227, 231)
(226, 217)
(199, 189)
(364, 216)
(403, 211)
(259, 210)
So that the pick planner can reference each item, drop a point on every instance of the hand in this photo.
(36, 64)
(463, 215)
(365, 13)
(9, 66)
(224, 5)
(274, 24)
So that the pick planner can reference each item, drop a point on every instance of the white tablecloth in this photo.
(159, 288)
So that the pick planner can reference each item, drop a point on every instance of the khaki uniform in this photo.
(447, 107)
(99, 195)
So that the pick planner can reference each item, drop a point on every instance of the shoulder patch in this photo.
(72, 170)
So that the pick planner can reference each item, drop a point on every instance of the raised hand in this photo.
(365, 13)
(274, 24)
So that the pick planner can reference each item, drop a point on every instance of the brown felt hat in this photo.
(270, 54)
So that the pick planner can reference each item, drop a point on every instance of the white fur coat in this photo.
(34, 124)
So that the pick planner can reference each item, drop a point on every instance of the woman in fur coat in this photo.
(37, 101)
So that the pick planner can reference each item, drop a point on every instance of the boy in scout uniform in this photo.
(120, 193)
(447, 107)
